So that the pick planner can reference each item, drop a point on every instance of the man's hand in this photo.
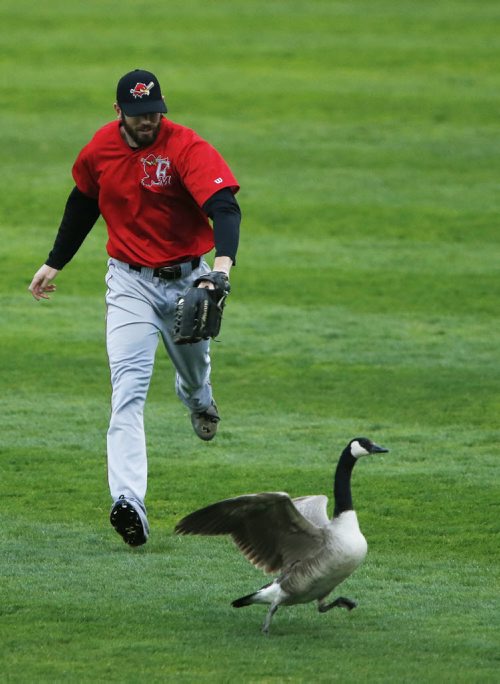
(42, 282)
(221, 265)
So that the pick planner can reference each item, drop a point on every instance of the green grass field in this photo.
(366, 139)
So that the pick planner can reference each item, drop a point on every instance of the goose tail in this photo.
(271, 593)
(244, 600)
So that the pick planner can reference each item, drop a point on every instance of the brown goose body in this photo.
(294, 537)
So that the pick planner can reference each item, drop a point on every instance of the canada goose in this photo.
(294, 537)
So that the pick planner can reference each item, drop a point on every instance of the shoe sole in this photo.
(127, 522)
(208, 429)
(205, 432)
(205, 436)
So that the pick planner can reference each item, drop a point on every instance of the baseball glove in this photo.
(198, 312)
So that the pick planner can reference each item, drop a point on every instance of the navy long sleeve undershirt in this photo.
(225, 213)
(81, 213)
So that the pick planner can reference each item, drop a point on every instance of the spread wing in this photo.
(313, 508)
(268, 529)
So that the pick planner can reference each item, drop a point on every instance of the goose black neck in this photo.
(342, 482)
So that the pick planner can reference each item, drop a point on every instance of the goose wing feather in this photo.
(313, 508)
(267, 528)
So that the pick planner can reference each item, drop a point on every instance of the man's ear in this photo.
(117, 110)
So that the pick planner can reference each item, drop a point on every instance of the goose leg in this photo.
(269, 617)
(339, 602)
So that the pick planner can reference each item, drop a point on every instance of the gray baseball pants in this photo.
(140, 310)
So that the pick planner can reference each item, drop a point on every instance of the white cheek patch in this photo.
(357, 450)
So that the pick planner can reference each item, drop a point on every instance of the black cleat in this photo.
(205, 423)
(128, 517)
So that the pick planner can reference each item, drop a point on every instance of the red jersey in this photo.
(151, 197)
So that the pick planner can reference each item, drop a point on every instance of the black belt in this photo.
(168, 272)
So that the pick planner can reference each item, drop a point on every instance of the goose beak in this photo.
(376, 449)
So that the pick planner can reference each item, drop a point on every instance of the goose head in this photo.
(361, 446)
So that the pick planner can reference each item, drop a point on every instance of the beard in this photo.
(144, 134)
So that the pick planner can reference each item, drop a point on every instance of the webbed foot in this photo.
(340, 602)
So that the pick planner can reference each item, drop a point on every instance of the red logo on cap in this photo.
(141, 89)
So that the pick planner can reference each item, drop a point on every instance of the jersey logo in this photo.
(141, 89)
(218, 180)
(157, 171)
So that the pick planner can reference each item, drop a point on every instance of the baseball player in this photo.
(156, 184)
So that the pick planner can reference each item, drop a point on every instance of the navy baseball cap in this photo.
(139, 92)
